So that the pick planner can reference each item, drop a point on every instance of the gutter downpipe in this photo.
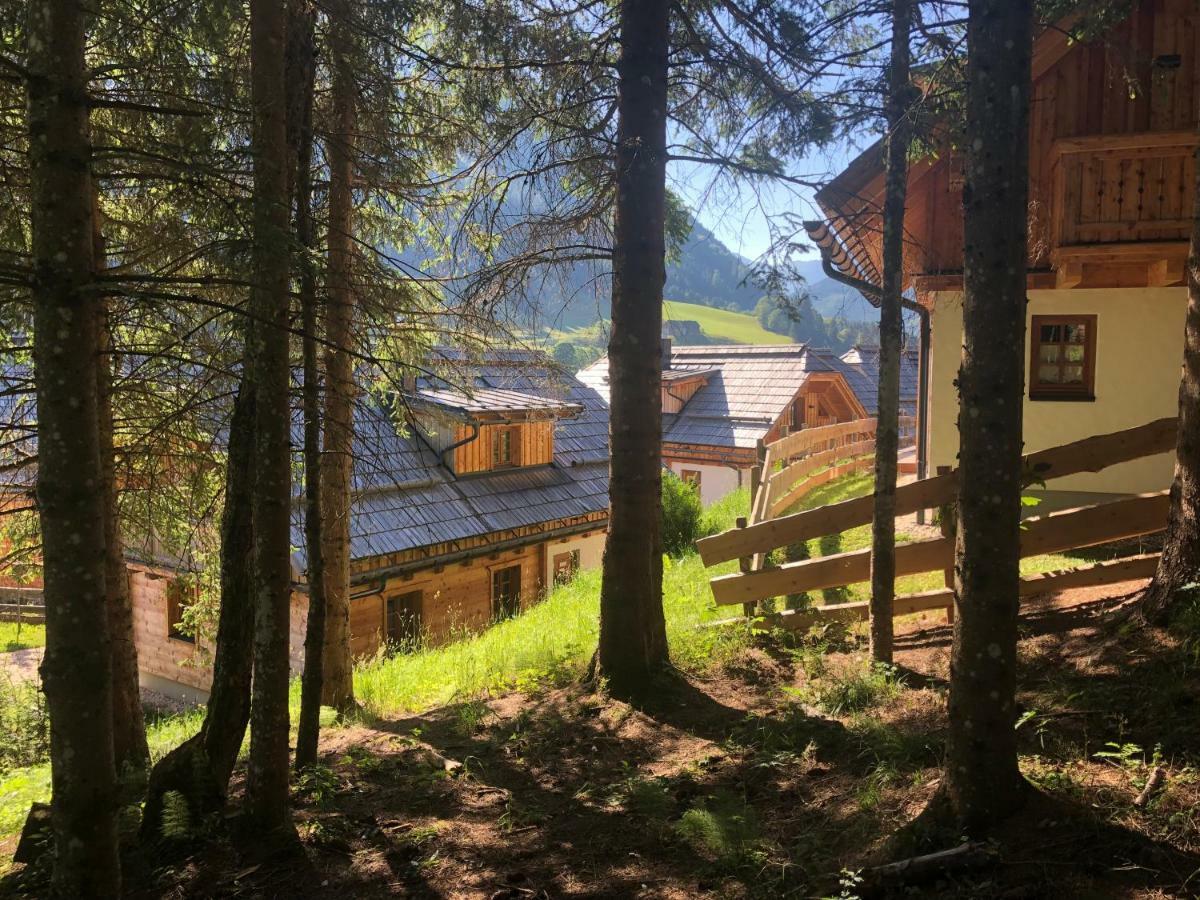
(472, 436)
(872, 295)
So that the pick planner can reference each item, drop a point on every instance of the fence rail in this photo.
(22, 604)
(1070, 529)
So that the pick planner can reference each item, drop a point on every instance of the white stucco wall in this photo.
(715, 481)
(1139, 351)
(591, 553)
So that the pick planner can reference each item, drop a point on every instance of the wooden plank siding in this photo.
(535, 446)
(1113, 124)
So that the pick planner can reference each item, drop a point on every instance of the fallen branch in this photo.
(970, 855)
(1153, 785)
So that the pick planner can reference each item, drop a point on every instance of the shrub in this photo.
(25, 724)
(681, 514)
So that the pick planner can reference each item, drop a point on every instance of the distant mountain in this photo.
(709, 273)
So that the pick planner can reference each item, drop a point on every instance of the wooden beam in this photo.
(1125, 251)
(798, 441)
(1069, 275)
(1150, 143)
(1069, 529)
(1166, 272)
(929, 284)
(1114, 571)
(1090, 454)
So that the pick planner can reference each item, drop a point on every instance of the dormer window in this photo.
(506, 447)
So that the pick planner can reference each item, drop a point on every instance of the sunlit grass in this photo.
(554, 640)
(28, 636)
(20, 788)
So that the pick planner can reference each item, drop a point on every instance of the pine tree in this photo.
(633, 639)
(891, 335)
(337, 459)
(267, 769)
(1179, 566)
(77, 666)
(982, 781)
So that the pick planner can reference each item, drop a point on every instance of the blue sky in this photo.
(739, 215)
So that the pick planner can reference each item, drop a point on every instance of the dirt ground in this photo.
(752, 783)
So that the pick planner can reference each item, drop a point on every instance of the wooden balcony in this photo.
(1120, 214)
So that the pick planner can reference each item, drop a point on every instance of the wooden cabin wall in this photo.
(537, 446)
(1143, 78)
(158, 653)
(674, 396)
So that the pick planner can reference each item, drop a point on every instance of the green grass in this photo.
(21, 787)
(723, 325)
(554, 640)
(31, 636)
(551, 642)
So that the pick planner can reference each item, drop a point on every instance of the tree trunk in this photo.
(891, 330)
(301, 71)
(131, 753)
(267, 772)
(633, 641)
(338, 459)
(201, 766)
(77, 667)
(982, 779)
(1179, 566)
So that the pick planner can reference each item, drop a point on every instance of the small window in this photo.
(404, 619)
(691, 477)
(506, 447)
(506, 592)
(1063, 358)
(566, 565)
(180, 595)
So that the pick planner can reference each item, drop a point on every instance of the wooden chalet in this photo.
(475, 488)
(1112, 180)
(720, 401)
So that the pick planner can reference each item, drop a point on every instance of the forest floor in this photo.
(787, 772)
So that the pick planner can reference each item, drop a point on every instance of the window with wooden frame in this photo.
(506, 447)
(690, 477)
(180, 595)
(1062, 358)
(566, 565)
(506, 592)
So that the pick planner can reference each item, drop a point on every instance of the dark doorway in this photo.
(506, 592)
(404, 619)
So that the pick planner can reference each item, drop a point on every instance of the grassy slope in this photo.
(722, 325)
(551, 642)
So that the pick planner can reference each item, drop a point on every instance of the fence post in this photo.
(946, 522)
(746, 563)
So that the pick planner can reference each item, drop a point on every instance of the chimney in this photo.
(666, 353)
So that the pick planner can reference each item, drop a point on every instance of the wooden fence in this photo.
(1066, 530)
(19, 604)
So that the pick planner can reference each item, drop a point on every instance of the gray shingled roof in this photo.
(860, 365)
(491, 401)
(406, 499)
(748, 389)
